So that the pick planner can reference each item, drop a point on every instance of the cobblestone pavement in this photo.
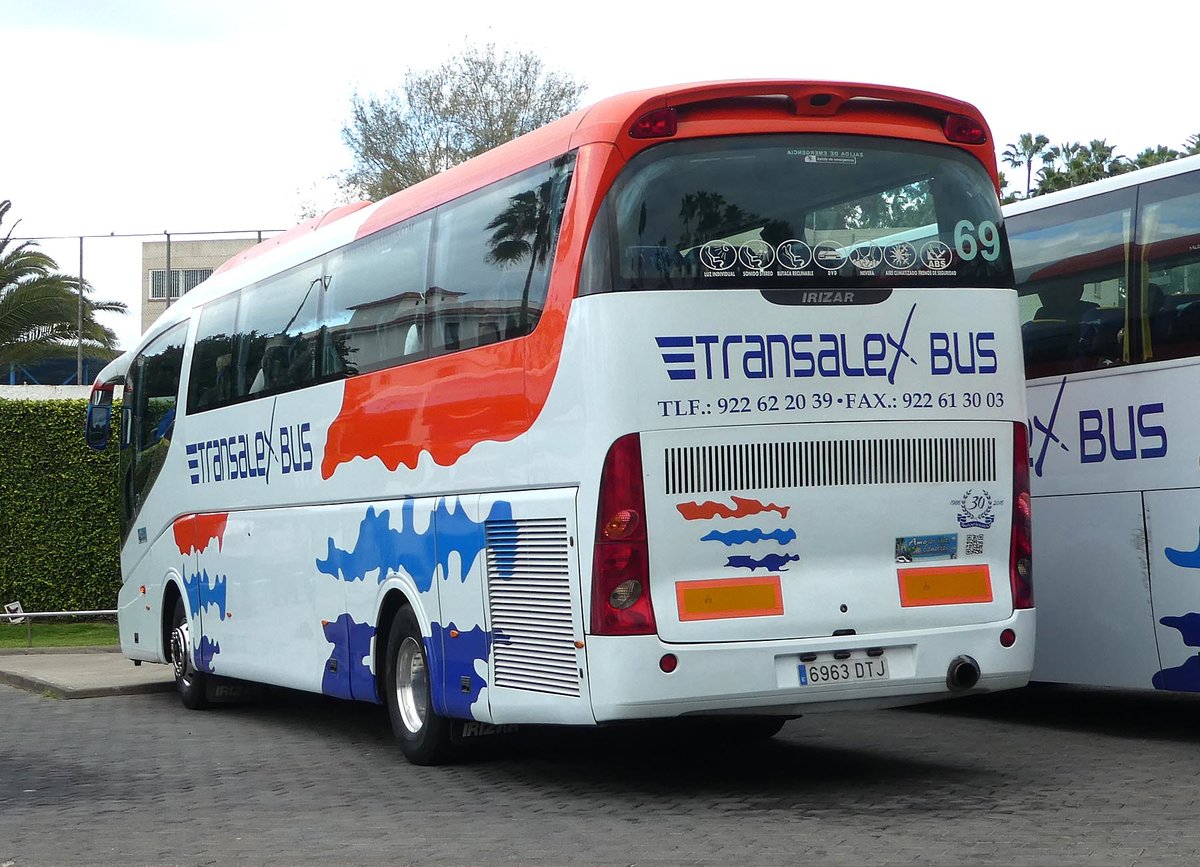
(1046, 776)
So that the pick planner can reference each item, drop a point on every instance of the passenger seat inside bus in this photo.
(1174, 324)
(1068, 333)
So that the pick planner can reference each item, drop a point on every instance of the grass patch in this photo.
(88, 633)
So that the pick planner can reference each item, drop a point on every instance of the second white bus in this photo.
(1109, 279)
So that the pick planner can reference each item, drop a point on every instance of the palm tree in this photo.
(1023, 152)
(1060, 157)
(1156, 156)
(39, 307)
(1101, 160)
(1060, 165)
(1192, 145)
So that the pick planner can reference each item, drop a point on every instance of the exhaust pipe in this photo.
(962, 674)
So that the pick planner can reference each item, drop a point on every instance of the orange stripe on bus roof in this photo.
(879, 110)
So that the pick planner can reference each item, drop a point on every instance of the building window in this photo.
(182, 280)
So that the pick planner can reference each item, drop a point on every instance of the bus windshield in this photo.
(798, 211)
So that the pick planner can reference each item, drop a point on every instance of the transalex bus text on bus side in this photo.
(249, 456)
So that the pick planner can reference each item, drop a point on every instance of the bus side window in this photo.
(277, 330)
(373, 309)
(1169, 241)
(493, 257)
(210, 383)
(1073, 293)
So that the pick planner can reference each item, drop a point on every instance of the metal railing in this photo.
(5, 616)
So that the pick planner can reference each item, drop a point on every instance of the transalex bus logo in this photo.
(678, 350)
(1119, 433)
(831, 354)
(1046, 429)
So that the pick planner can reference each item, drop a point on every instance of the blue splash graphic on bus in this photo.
(351, 642)
(383, 549)
(454, 682)
(1186, 677)
(1186, 559)
(203, 592)
(770, 562)
(729, 538)
(204, 654)
(1188, 626)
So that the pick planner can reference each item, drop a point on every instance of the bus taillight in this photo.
(965, 130)
(621, 558)
(660, 123)
(1021, 562)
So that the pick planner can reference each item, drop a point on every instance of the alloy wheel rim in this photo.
(412, 685)
(181, 644)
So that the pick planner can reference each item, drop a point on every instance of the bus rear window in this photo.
(798, 211)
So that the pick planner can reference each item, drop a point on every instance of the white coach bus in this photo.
(627, 419)
(1109, 279)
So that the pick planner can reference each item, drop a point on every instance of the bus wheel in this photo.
(190, 683)
(424, 736)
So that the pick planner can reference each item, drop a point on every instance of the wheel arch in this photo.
(393, 601)
(171, 593)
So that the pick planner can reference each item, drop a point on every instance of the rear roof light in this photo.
(620, 557)
(965, 130)
(660, 123)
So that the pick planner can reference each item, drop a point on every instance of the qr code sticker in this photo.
(974, 546)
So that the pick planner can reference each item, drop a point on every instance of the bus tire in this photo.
(191, 684)
(423, 735)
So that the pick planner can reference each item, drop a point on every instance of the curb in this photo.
(46, 687)
(30, 651)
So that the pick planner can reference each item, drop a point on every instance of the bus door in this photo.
(1095, 624)
(1168, 247)
(1173, 526)
(148, 424)
(1095, 619)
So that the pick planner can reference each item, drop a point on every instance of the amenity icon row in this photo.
(794, 255)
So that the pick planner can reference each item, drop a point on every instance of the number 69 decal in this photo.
(984, 241)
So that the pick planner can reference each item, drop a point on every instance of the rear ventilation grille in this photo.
(529, 604)
(829, 463)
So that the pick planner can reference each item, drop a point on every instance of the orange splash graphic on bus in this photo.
(194, 532)
(742, 508)
(487, 394)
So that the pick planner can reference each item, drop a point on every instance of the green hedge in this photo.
(59, 534)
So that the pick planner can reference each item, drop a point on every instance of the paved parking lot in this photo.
(1045, 776)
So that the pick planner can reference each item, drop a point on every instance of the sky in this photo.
(153, 116)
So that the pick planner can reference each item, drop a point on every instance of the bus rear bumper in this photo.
(763, 677)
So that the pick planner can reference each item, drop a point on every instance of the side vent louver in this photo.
(828, 463)
(529, 604)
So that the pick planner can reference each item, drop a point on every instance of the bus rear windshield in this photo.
(798, 211)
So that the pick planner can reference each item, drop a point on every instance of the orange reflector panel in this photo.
(944, 585)
(729, 597)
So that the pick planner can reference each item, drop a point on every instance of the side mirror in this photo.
(98, 425)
